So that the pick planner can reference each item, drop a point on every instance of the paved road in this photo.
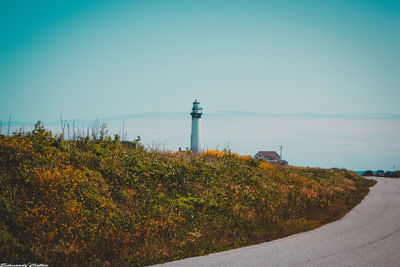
(369, 235)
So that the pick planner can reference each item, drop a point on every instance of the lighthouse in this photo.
(195, 137)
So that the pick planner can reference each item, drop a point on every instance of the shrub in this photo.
(103, 201)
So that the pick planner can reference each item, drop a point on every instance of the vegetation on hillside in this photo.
(101, 201)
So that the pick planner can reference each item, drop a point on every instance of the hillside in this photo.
(101, 201)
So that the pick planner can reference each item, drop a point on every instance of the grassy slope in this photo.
(107, 202)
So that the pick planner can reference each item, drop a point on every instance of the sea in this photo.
(359, 172)
(356, 143)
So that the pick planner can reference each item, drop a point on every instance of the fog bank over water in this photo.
(356, 143)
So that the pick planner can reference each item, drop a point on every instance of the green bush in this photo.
(104, 202)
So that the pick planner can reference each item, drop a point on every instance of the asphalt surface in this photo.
(369, 235)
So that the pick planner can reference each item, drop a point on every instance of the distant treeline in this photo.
(95, 200)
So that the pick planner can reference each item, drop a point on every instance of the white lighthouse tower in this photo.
(195, 137)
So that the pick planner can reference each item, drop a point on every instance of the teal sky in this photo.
(88, 59)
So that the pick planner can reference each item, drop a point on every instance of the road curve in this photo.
(369, 235)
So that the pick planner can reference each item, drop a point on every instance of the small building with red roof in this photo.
(271, 157)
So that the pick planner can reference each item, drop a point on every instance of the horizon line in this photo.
(214, 114)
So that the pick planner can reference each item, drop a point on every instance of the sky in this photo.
(109, 59)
